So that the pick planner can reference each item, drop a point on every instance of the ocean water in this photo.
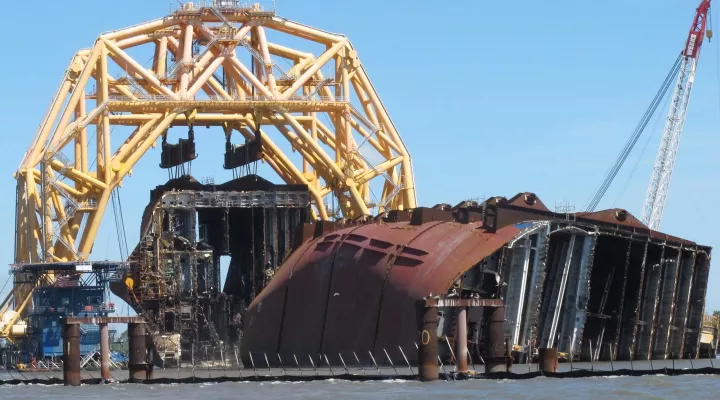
(647, 387)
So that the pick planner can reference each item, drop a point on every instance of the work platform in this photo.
(63, 290)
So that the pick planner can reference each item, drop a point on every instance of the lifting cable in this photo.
(625, 152)
(4, 286)
(642, 153)
(119, 224)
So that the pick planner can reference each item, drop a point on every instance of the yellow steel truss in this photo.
(62, 197)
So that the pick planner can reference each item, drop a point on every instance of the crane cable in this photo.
(4, 286)
(640, 156)
(625, 152)
(119, 224)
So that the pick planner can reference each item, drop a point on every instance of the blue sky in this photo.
(491, 98)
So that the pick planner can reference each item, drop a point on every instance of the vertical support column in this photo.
(104, 352)
(495, 346)
(614, 350)
(347, 129)
(638, 313)
(647, 308)
(461, 340)
(186, 61)
(33, 238)
(531, 317)
(104, 128)
(667, 305)
(560, 300)
(81, 139)
(71, 354)
(697, 305)
(306, 164)
(81, 156)
(138, 365)
(688, 274)
(572, 324)
(274, 238)
(47, 226)
(656, 282)
(520, 303)
(428, 368)
(20, 226)
(265, 52)
(257, 67)
(160, 59)
(571, 320)
(548, 360)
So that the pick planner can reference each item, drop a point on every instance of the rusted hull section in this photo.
(592, 286)
(365, 283)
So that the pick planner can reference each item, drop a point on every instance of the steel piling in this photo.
(71, 354)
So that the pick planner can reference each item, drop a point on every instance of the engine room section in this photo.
(174, 278)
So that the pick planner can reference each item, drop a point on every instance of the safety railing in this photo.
(318, 99)
(227, 5)
(131, 26)
(253, 51)
(103, 308)
(144, 97)
(115, 276)
(294, 98)
(257, 56)
(180, 63)
(360, 117)
(46, 309)
(218, 13)
(319, 87)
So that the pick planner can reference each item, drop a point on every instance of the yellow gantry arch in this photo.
(62, 197)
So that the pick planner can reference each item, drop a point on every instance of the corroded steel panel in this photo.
(355, 290)
(451, 249)
(387, 245)
(406, 283)
(266, 318)
(306, 299)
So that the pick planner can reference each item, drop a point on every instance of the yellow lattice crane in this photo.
(200, 74)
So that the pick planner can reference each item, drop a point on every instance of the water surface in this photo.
(648, 387)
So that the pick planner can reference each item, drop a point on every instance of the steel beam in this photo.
(656, 284)
(626, 269)
(638, 308)
(462, 303)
